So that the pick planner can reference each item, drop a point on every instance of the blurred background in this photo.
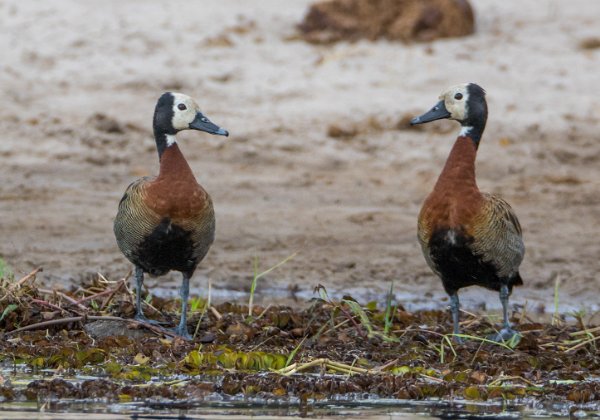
(320, 159)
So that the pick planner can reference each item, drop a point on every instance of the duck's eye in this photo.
(458, 96)
(182, 107)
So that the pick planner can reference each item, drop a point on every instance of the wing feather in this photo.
(498, 237)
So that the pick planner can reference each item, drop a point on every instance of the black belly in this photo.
(168, 247)
(451, 253)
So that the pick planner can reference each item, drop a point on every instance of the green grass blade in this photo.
(556, 315)
(258, 275)
(206, 306)
(10, 308)
(358, 310)
(388, 317)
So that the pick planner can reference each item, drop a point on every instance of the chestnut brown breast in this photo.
(175, 192)
(166, 223)
(455, 200)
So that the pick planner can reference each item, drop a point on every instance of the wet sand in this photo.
(78, 97)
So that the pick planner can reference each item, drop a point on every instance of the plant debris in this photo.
(325, 350)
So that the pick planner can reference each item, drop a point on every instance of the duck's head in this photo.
(464, 103)
(175, 112)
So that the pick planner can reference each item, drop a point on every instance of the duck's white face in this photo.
(455, 100)
(184, 111)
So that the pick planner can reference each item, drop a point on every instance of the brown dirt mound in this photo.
(405, 20)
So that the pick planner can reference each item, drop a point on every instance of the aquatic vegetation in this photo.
(326, 349)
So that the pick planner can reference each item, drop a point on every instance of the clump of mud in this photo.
(590, 43)
(403, 20)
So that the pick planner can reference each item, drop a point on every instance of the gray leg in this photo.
(139, 282)
(506, 333)
(184, 293)
(454, 308)
(504, 299)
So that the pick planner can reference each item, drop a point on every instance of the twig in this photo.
(48, 304)
(264, 311)
(586, 331)
(327, 364)
(476, 353)
(97, 295)
(176, 382)
(591, 340)
(502, 379)
(253, 348)
(56, 322)
(27, 277)
(387, 365)
(554, 345)
(104, 280)
(92, 318)
(432, 378)
(216, 313)
(64, 296)
(344, 322)
(129, 292)
(474, 315)
(110, 296)
(351, 318)
(343, 366)
(295, 367)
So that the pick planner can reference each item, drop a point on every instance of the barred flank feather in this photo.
(497, 236)
(134, 221)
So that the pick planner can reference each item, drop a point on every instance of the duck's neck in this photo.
(163, 140)
(459, 170)
(474, 132)
(172, 161)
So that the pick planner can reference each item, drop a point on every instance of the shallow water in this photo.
(242, 408)
(472, 299)
(221, 406)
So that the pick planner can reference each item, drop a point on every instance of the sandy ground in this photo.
(280, 184)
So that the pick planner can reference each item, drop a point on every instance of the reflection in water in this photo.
(225, 407)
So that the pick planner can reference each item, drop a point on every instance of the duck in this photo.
(469, 237)
(167, 222)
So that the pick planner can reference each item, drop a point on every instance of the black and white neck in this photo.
(164, 132)
(474, 132)
(475, 113)
(164, 141)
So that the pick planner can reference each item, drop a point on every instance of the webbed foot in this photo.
(506, 335)
(182, 332)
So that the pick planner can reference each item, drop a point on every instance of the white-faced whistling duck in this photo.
(167, 222)
(469, 237)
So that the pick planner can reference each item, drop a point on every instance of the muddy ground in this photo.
(79, 83)
(57, 348)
